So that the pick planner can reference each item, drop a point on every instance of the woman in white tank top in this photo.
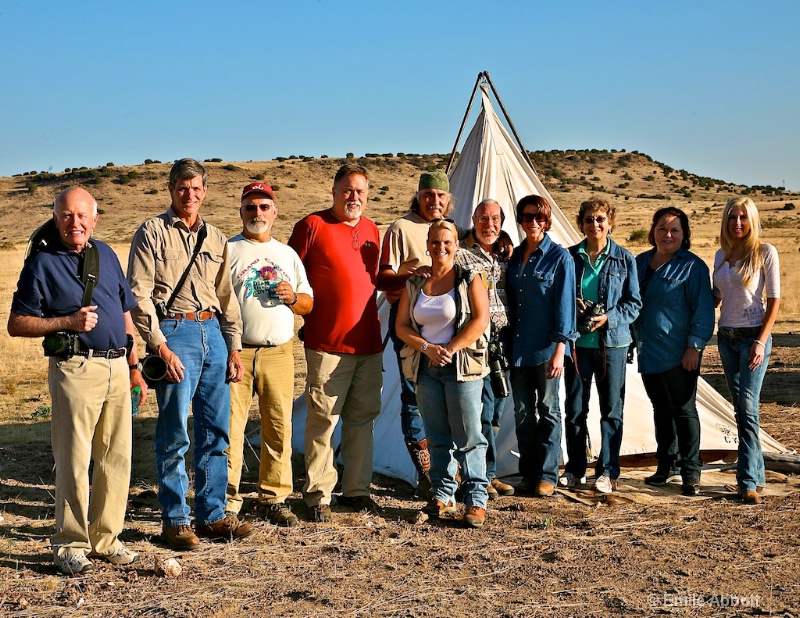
(443, 319)
(747, 286)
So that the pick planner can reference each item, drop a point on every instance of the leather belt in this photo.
(200, 316)
(260, 345)
(747, 332)
(109, 354)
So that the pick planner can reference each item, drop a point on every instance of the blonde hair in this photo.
(749, 251)
(443, 224)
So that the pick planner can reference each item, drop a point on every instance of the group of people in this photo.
(220, 315)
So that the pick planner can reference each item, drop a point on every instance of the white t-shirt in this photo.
(256, 268)
(745, 307)
(436, 316)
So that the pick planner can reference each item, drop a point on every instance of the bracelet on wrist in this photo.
(761, 343)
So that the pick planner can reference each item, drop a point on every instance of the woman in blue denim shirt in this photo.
(747, 284)
(608, 302)
(540, 289)
(674, 324)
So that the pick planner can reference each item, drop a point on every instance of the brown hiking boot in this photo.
(475, 517)
(493, 495)
(504, 489)
(228, 529)
(281, 514)
(750, 497)
(180, 537)
(545, 489)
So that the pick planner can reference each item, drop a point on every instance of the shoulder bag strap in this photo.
(201, 236)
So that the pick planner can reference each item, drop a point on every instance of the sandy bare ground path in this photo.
(556, 557)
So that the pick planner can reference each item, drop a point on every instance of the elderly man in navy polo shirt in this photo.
(89, 383)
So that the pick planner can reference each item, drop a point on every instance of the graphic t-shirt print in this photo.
(260, 280)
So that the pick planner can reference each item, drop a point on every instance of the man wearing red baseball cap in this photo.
(270, 282)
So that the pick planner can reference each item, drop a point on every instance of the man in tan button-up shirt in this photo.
(199, 336)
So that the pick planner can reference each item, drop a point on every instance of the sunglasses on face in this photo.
(528, 217)
(254, 207)
(592, 219)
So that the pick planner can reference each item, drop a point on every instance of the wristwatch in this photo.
(424, 347)
(136, 366)
(294, 302)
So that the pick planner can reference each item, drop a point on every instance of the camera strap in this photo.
(46, 235)
(201, 236)
(90, 272)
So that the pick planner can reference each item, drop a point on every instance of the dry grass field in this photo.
(557, 557)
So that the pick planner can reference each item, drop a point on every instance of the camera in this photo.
(498, 365)
(61, 343)
(590, 311)
(154, 369)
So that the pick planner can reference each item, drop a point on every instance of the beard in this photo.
(352, 210)
(257, 226)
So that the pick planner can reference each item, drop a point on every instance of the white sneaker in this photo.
(604, 484)
(121, 556)
(569, 481)
(73, 564)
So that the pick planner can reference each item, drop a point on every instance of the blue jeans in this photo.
(537, 413)
(673, 394)
(490, 422)
(451, 411)
(410, 419)
(607, 365)
(745, 388)
(203, 352)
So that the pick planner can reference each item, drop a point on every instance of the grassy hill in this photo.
(638, 185)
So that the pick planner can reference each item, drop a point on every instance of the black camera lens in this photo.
(56, 344)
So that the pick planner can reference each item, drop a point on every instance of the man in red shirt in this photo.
(340, 248)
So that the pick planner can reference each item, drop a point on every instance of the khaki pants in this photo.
(346, 385)
(269, 373)
(91, 423)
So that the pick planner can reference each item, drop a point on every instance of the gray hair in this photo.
(186, 169)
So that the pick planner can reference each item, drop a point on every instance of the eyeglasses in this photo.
(484, 219)
(254, 207)
(528, 217)
(592, 219)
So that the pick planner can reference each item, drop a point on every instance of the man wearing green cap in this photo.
(405, 254)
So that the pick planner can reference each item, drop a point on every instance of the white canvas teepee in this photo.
(491, 165)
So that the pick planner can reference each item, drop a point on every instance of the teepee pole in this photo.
(463, 122)
(508, 120)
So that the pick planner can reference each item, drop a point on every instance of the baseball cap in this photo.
(258, 187)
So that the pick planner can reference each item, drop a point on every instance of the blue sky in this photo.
(710, 87)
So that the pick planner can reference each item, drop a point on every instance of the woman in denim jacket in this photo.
(674, 324)
(540, 289)
(608, 303)
(747, 284)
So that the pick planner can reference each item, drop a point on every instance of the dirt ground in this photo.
(534, 557)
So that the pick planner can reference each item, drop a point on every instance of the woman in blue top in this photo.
(540, 289)
(674, 324)
(608, 303)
